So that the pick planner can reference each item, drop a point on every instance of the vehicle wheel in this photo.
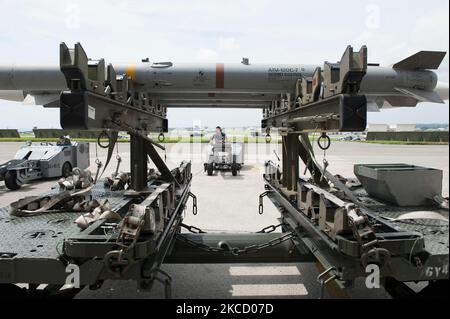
(234, 167)
(11, 180)
(210, 169)
(234, 170)
(66, 170)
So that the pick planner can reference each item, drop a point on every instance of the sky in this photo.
(305, 32)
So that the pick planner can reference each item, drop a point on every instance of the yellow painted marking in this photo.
(131, 71)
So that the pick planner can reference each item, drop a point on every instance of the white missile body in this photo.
(407, 83)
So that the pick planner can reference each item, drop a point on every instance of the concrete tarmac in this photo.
(230, 204)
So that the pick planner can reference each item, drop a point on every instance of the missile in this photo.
(32, 85)
(239, 85)
(12, 95)
(32, 78)
(442, 90)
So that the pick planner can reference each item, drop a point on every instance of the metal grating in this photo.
(42, 236)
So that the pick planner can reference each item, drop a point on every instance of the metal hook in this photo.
(327, 142)
(103, 134)
(167, 282)
(194, 204)
(323, 282)
(261, 202)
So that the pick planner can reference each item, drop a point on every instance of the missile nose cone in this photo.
(442, 89)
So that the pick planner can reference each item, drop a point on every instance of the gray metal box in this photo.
(83, 160)
(400, 184)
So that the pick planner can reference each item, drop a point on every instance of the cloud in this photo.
(207, 55)
(432, 29)
(228, 44)
(211, 31)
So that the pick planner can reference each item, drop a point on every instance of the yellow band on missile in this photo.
(131, 71)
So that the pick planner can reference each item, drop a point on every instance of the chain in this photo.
(269, 229)
(256, 248)
(236, 251)
(193, 229)
(265, 230)
(198, 245)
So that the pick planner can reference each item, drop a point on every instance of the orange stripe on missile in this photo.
(131, 71)
(220, 76)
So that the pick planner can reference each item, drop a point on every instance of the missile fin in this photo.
(41, 99)
(373, 107)
(421, 95)
(402, 101)
(422, 60)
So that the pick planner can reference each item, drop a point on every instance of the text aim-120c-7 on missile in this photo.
(240, 85)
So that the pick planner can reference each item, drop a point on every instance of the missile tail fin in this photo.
(47, 99)
(423, 60)
(421, 95)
